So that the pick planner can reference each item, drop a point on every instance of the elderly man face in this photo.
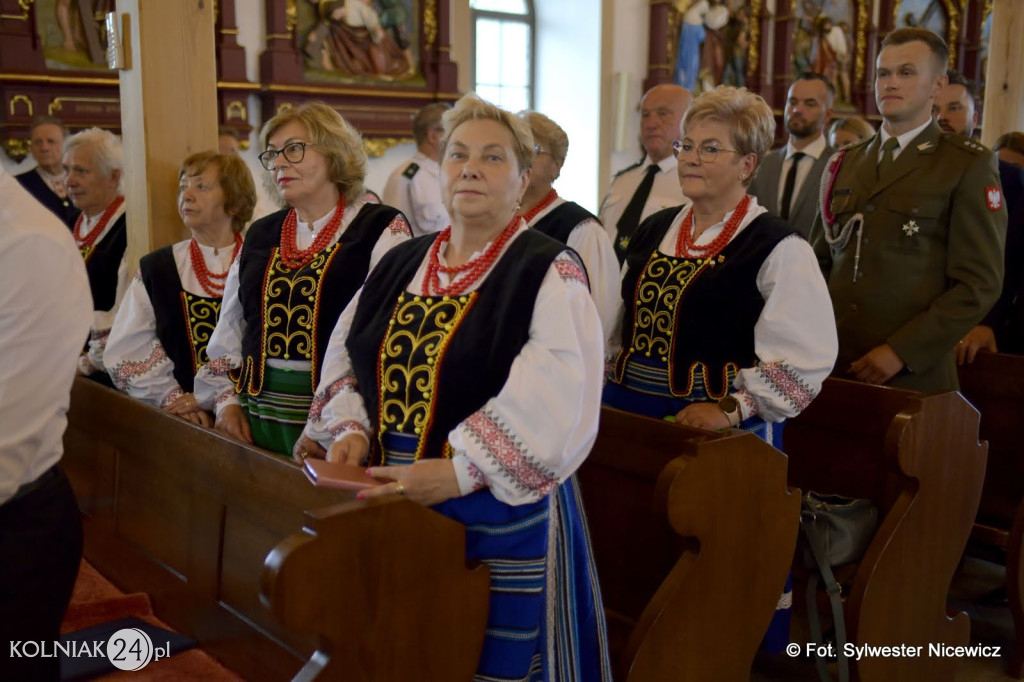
(661, 112)
(46, 144)
(90, 187)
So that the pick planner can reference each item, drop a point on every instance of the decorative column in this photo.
(659, 70)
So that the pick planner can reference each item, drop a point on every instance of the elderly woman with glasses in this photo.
(163, 326)
(297, 270)
(567, 221)
(468, 372)
(727, 320)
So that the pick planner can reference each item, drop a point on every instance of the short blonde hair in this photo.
(748, 116)
(548, 134)
(853, 124)
(470, 107)
(334, 137)
(235, 181)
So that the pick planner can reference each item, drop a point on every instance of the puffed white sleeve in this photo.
(102, 321)
(134, 356)
(214, 388)
(595, 248)
(794, 338)
(540, 427)
(337, 407)
(395, 233)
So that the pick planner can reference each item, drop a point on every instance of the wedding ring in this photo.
(400, 489)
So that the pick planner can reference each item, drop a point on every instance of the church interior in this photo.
(678, 531)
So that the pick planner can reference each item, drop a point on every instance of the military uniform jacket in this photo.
(931, 252)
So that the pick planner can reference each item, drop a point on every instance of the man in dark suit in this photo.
(789, 178)
(956, 111)
(910, 237)
(45, 182)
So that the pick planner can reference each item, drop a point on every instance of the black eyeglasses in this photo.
(706, 153)
(293, 152)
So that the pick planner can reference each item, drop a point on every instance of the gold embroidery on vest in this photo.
(86, 252)
(200, 320)
(417, 337)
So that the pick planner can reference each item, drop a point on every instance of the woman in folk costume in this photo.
(297, 271)
(727, 321)
(468, 373)
(567, 221)
(163, 326)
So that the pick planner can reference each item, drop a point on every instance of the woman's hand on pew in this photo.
(703, 416)
(351, 449)
(187, 407)
(307, 447)
(979, 338)
(233, 421)
(427, 481)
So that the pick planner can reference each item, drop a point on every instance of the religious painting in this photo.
(73, 33)
(929, 14)
(712, 43)
(823, 43)
(360, 41)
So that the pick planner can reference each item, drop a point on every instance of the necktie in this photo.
(890, 146)
(787, 188)
(630, 219)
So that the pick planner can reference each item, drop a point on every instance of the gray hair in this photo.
(105, 144)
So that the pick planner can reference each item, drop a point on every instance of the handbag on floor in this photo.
(838, 531)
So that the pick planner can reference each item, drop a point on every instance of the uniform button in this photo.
(853, 307)
(869, 208)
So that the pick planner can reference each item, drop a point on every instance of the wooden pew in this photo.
(693, 534)
(188, 517)
(994, 384)
(919, 458)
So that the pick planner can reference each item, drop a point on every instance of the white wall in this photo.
(568, 89)
(629, 21)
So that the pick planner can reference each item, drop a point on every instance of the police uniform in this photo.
(414, 188)
(914, 258)
(665, 193)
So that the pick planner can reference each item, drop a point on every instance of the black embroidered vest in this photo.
(102, 262)
(407, 340)
(290, 314)
(184, 321)
(695, 316)
(562, 220)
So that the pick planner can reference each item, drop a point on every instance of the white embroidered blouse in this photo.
(134, 356)
(794, 338)
(214, 389)
(539, 428)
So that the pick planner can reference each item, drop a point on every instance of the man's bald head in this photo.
(661, 112)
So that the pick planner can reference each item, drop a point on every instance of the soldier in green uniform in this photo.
(910, 230)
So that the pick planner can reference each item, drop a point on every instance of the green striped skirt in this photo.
(278, 414)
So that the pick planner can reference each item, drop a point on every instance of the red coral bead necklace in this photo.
(685, 247)
(294, 257)
(548, 199)
(463, 276)
(87, 241)
(212, 282)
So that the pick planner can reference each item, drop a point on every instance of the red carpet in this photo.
(96, 600)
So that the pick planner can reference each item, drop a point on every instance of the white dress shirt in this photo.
(904, 139)
(45, 309)
(814, 150)
(665, 193)
(419, 197)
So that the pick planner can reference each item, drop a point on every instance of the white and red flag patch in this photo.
(993, 198)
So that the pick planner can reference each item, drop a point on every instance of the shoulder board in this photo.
(966, 143)
(629, 168)
(411, 170)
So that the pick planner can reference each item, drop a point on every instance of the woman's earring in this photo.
(743, 176)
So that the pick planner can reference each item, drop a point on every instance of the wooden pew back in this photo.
(693, 534)
(188, 517)
(925, 470)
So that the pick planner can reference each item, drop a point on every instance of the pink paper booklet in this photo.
(336, 475)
